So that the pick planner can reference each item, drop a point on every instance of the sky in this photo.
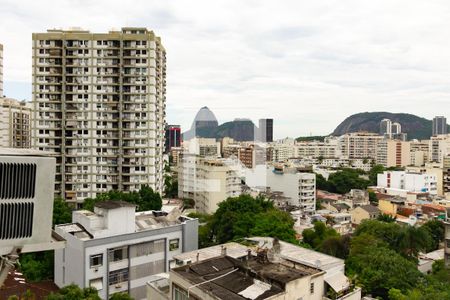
(306, 64)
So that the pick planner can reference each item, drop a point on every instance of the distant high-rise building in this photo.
(396, 128)
(99, 102)
(440, 125)
(173, 137)
(386, 127)
(266, 130)
(1, 70)
(15, 123)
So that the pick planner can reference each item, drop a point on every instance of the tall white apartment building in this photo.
(15, 129)
(439, 147)
(115, 249)
(1, 70)
(99, 101)
(299, 188)
(208, 181)
(359, 145)
(411, 182)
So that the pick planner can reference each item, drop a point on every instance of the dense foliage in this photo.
(342, 181)
(74, 292)
(145, 199)
(245, 216)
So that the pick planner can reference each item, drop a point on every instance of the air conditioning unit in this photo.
(26, 201)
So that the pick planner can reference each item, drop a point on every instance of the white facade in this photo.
(299, 188)
(316, 149)
(410, 182)
(99, 101)
(359, 145)
(208, 181)
(115, 250)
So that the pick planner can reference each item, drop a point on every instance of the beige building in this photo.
(393, 153)
(439, 147)
(99, 101)
(364, 212)
(446, 176)
(359, 145)
(419, 152)
(316, 149)
(207, 181)
(14, 123)
(1, 70)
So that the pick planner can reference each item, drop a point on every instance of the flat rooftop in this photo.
(288, 251)
(251, 279)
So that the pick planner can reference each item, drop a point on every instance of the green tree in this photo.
(406, 240)
(62, 213)
(378, 269)
(386, 218)
(275, 223)
(343, 181)
(244, 216)
(318, 234)
(74, 292)
(120, 296)
(373, 173)
(337, 246)
(144, 199)
(37, 266)
(437, 230)
(373, 197)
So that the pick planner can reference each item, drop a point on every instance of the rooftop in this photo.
(229, 278)
(370, 208)
(113, 204)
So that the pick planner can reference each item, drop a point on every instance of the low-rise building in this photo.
(248, 272)
(115, 249)
(364, 212)
(410, 182)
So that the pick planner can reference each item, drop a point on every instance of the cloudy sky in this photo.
(307, 64)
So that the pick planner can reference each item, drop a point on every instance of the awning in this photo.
(338, 282)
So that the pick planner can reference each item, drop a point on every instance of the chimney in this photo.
(223, 251)
(198, 256)
(249, 253)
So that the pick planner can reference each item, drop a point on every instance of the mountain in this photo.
(416, 127)
(205, 125)
(239, 130)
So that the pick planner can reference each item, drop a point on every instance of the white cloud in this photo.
(307, 64)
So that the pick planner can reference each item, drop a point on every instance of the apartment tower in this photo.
(440, 125)
(99, 102)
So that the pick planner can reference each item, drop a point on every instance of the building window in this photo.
(311, 288)
(96, 260)
(96, 283)
(118, 254)
(174, 244)
(118, 276)
(179, 294)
